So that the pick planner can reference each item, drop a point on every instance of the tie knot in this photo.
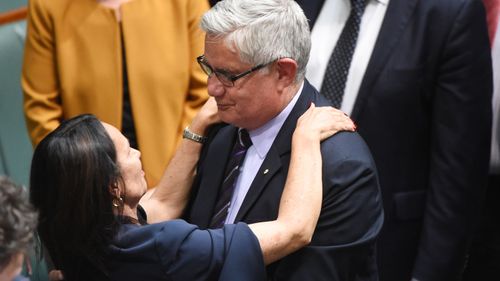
(244, 138)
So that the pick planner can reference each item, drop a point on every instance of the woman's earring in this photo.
(117, 202)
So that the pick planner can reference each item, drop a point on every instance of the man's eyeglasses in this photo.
(225, 78)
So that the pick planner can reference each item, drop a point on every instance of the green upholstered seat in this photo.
(15, 146)
(6, 5)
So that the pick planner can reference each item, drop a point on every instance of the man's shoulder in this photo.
(346, 146)
(346, 140)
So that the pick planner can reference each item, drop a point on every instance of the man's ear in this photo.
(287, 70)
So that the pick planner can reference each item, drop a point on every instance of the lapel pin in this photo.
(266, 171)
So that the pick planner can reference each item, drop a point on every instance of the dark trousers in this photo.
(484, 256)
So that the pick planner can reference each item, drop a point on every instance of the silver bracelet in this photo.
(187, 134)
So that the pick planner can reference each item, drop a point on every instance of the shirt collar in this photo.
(263, 137)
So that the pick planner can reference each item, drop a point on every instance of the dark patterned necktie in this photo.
(338, 66)
(232, 171)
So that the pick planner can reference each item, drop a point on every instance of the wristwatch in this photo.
(187, 134)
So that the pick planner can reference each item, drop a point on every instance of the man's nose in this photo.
(215, 87)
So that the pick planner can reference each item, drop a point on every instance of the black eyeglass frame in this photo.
(226, 80)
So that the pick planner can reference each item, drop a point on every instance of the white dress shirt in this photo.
(324, 36)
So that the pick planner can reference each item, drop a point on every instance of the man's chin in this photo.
(226, 117)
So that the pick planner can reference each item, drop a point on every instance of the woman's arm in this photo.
(169, 198)
(300, 204)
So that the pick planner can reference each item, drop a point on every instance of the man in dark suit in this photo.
(484, 256)
(255, 55)
(419, 89)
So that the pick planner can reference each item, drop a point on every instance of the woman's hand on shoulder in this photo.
(320, 123)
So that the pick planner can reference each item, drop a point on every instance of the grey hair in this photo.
(261, 30)
(18, 220)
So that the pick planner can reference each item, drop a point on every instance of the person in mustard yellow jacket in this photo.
(132, 63)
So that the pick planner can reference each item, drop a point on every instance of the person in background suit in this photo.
(18, 221)
(255, 56)
(419, 89)
(484, 258)
(132, 63)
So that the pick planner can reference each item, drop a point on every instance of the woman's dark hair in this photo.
(72, 170)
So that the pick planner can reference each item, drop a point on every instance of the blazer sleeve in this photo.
(39, 83)
(459, 144)
(230, 253)
(343, 245)
(175, 250)
(197, 94)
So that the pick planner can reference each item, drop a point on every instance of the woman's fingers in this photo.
(324, 121)
(206, 117)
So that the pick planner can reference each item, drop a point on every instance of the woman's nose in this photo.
(138, 152)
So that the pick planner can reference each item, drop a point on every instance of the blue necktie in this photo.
(231, 174)
(338, 66)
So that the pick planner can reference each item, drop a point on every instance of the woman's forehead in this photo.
(116, 136)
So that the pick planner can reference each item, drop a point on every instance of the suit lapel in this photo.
(271, 165)
(397, 17)
(212, 176)
(280, 147)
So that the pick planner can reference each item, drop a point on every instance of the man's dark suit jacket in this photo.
(343, 244)
(424, 110)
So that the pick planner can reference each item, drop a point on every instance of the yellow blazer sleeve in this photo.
(197, 94)
(42, 106)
